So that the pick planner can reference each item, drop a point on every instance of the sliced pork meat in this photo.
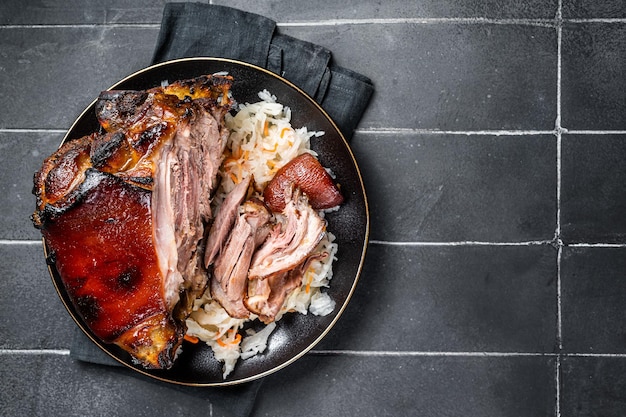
(230, 272)
(123, 212)
(231, 269)
(292, 242)
(224, 219)
(266, 296)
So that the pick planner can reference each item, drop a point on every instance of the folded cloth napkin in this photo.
(235, 401)
(195, 29)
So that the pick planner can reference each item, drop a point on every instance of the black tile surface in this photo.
(412, 386)
(285, 11)
(459, 188)
(15, 12)
(593, 81)
(593, 198)
(426, 75)
(463, 299)
(55, 385)
(21, 155)
(492, 155)
(592, 9)
(593, 386)
(62, 69)
(593, 298)
(32, 315)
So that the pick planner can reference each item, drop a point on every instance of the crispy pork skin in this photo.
(123, 212)
(106, 256)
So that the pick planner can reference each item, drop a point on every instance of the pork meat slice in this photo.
(266, 296)
(230, 273)
(293, 241)
(224, 220)
(123, 212)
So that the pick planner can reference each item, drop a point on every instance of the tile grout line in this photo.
(557, 367)
(31, 130)
(594, 355)
(35, 352)
(399, 131)
(559, 172)
(409, 353)
(542, 22)
(559, 331)
(461, 243)
(421, 20)
(558, 239)
(105, 25)
(594, 132)
(409, 131)
(595, 20)
(414, 243)
(376, 353)
(485, 243)
(9, 242)
(596, 245)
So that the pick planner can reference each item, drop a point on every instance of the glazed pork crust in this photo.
(123, 212)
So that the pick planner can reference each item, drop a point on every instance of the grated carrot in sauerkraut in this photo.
(262, 140)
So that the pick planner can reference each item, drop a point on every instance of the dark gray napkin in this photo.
(195, 29)
(235, 401)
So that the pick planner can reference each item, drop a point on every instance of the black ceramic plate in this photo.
(295, 334)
